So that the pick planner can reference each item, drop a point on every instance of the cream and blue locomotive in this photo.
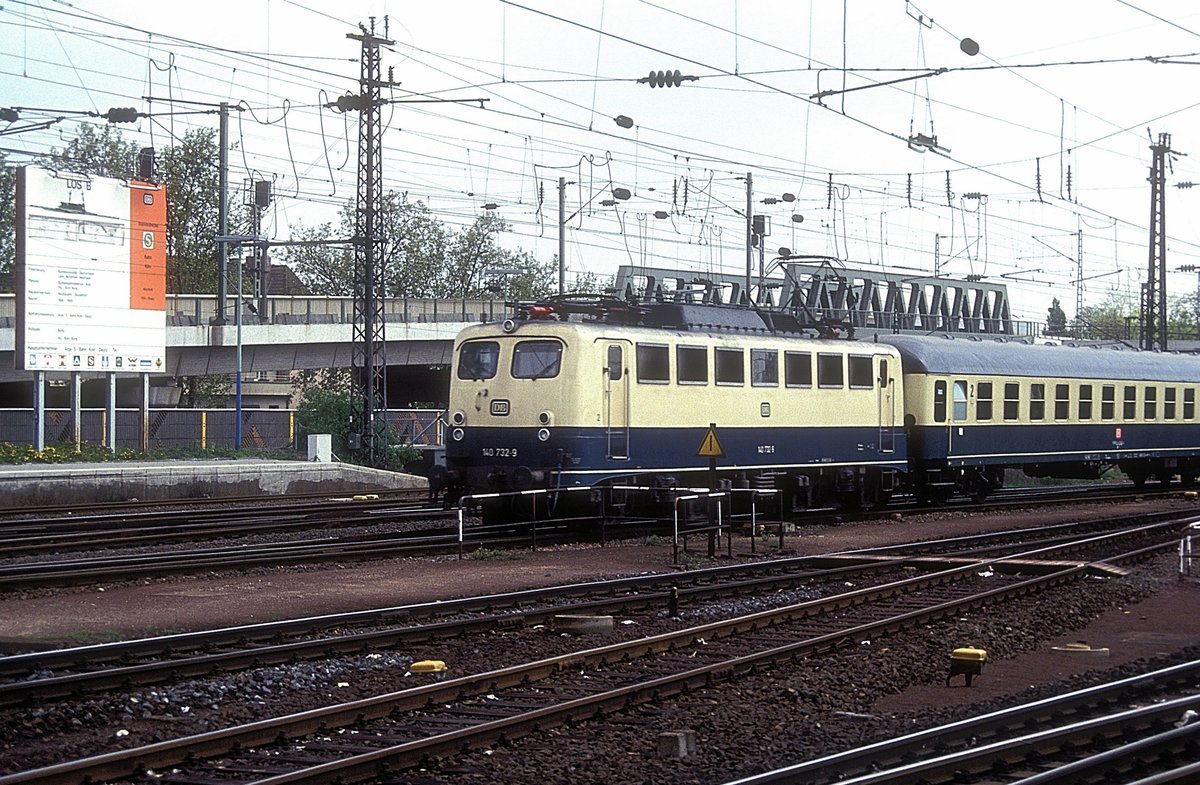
(627, 396)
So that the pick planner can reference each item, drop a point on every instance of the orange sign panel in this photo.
(147, 246)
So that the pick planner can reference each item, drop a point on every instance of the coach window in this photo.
(797, 369)
(1151, 407)
(983, 401)
(536, 359)
(1189, 403)
(764, 367)
(1085, 401)
(478, 360)
(1169, 403)
(1108, 402)
(1129, 410)
(1062, 401)
(691, 364)
(829, 370)
(729, 366)
(939, 401)
(1012, 401)
(1037, 401)
(960, 401)
(653, 364)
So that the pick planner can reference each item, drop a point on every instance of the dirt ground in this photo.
(1167, 621)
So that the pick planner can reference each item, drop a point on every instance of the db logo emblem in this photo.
(500, 407)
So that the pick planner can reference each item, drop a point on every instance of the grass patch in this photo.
(485, 554)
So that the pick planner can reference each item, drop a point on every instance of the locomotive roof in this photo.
(940, 355)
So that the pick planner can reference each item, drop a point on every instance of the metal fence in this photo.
(263, 429)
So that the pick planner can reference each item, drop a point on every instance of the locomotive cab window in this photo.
(653, 363)
(691, 364)
(729, 366)
(536, 359)
(860, 372)
(960, 401)
(983, 401)
(1037, 401)
(478, 360)
(829, 370)
(615, 368)
(764, 367)
(797, 369)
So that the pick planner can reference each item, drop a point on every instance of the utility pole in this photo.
(749, 234)
(369, 361)
(562, 235)
(1078, 280)
(1154, 306)
(222, 215)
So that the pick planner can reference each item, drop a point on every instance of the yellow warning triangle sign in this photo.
(711, 446)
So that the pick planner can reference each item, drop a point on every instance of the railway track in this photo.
(400, 729)
(1084, 736)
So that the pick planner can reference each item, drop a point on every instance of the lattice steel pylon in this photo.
(369, 360)
(1154, 304)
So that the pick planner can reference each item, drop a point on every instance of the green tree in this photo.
(193, 206)
(1108, 319)
(327, 406)
(97, 150)
(8, 223)
(476, 249)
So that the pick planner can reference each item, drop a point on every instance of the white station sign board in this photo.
(90, 274)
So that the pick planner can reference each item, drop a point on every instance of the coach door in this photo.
(887, 407)
(616, 402)
(958, 416)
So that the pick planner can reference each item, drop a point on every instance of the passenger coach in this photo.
(976, 407)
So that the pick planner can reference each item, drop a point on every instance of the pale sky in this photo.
(1067, 95)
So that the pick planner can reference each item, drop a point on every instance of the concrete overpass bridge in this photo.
(295, 333)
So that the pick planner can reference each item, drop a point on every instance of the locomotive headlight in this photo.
(546, 418)
(543, 434)
(457, 434)
(458, 418)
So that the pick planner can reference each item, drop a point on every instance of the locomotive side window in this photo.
(764, 367)
(860, 372)
(691, 364)
(797, 369)
(983, 401)
(478, 360)
(1062, 401)
(729, 365)
(1151, 403)
(1037, 401)
(536, 359)
(1169, 403)
(1108, 402)
(653, 363)
(1129, 410)
(829, 370)
(1012, 400)
(1085, 401)
(1189, 403)
(960, 401)
(939, 401)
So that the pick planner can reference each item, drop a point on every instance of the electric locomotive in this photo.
(580, 394)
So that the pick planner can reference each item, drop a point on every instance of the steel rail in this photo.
(362, 766)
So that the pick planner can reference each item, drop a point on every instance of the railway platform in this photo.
(45, 484)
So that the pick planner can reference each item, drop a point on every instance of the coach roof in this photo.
(988, 357)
